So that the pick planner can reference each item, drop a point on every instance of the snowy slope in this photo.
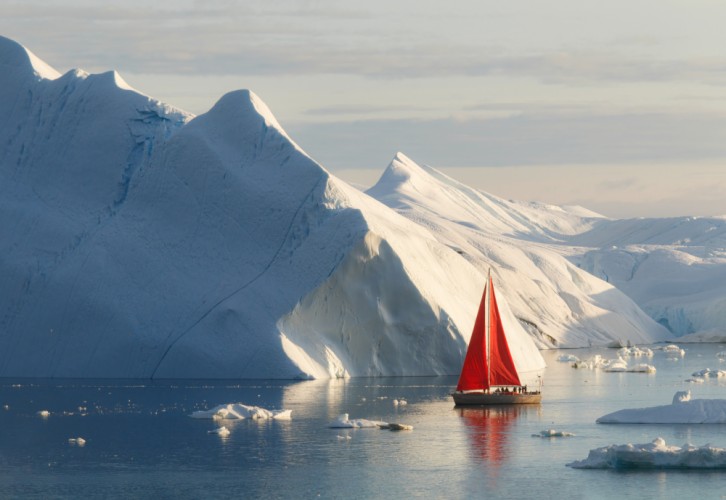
(139, 241)
(674, 268)
(560, 304)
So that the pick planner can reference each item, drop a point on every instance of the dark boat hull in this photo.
(481, 398)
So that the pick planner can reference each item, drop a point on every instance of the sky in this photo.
(617, 106)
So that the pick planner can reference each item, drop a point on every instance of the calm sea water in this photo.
(141, 443)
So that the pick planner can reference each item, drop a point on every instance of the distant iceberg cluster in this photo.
(654, 455)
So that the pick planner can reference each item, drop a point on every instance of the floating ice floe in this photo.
(696, 380)
(399, 402)
(77, 441)
(568, 358)
(221, 431)
(596, 361)
(672, 350)
(44, 413)
(707, 372)
(613, 365)
(238, 411)
(654, 455)
(683, 410)
(550, 433)
(343, 422)
(396, 427)
(635, 352)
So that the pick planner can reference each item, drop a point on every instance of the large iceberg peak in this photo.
(19, 63)
(241, 108)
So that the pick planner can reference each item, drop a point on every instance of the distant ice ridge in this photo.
(654, 455)
(683, 410)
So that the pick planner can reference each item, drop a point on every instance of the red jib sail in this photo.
(488, 362)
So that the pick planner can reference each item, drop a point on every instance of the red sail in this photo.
(502, 370)
(474, 374)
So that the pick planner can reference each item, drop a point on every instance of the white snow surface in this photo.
(239, 411)
(654, 455)
(683, 410)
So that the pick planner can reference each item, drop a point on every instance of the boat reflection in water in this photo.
(488, 430)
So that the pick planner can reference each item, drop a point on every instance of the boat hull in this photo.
(481, 398)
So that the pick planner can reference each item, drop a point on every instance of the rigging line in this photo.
(245, 285)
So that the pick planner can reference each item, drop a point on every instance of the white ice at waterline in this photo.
(44, 413)
(343, 422)
(550, 433)
(683, 410)
(707, 372)
(568, 358)
(221, 432)
(654, 455)
(78, 441)
(239, 411)
(618, 365)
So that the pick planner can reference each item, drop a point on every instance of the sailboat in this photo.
(489, 376)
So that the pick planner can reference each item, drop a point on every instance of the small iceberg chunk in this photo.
(635, 352)
(673, 350)
(550, 433)
(44, 413)
(343, 422)
(683, 410)
(221, 432)
(707, 372)
(396, 427)
(239, 411)
(77, 441)
(654, 455)
(568, 358)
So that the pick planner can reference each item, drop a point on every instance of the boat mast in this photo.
(488, 323)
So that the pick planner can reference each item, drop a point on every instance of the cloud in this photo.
(526, 139)
(319, 38)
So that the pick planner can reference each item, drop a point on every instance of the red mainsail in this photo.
(488, 360)
(501, 364)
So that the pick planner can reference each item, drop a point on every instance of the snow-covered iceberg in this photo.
(654, 455)
(140, 241)
(683, 410)
(558, 303)
(239, 411)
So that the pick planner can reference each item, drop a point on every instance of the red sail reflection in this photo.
(488, 429)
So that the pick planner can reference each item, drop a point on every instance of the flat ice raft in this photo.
(655, 455)
(683, 410)
(238, 411)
